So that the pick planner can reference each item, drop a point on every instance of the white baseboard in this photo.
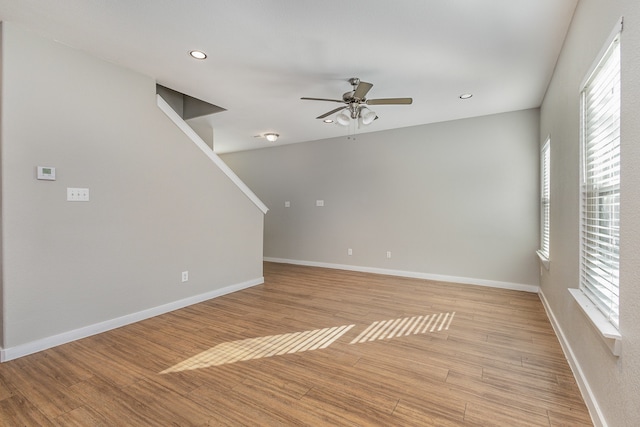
(597, 417)
(411, 274)
(11, 353)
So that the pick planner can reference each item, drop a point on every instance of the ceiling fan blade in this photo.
(331, 112)
(322, 99)
(389, 101)
(362, 90)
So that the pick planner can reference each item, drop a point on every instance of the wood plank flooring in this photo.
(311, 347)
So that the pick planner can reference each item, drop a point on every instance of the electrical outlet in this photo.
(185, 276)
(349, 251)
(388, 254)
(320, 203)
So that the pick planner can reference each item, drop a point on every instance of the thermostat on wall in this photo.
(47, 173)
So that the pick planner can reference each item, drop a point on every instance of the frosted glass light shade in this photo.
(368, 117)
(343, 119)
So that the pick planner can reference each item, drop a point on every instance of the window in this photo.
(545, 189)
(600, 186)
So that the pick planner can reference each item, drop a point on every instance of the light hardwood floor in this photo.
(311, 347)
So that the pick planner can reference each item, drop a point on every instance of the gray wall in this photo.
(614, 382)
(158, 205)
(457, 198)
(1, 227)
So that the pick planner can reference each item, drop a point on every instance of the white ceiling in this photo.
(266, 54)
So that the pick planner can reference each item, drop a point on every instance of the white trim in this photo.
(193, 136)
(584, 233)
(11, 353)
(545, 203)
(617, 29)
(608, 332)
(544, 260)
(597, 417)
(412, 274)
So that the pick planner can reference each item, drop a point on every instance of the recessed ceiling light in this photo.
(197, 54)
(466, 95)
(328, 121)
(271, 137)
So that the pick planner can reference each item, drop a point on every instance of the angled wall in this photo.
(454, 200)
(157, 207)
(610, 384)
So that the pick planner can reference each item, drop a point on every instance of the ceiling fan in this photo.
(356, 103)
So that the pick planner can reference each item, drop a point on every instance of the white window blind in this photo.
(600, 210)
(545, 190)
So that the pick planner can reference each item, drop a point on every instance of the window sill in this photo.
(609, 333)
(544, 260)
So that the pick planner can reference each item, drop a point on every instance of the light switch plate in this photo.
(77, 194)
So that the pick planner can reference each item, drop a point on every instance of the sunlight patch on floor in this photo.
(297, 342)
(405, 326)
(256, 348)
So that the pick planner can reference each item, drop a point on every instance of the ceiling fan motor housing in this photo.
(347, 96)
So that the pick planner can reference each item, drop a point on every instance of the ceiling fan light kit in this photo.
(356, 103)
